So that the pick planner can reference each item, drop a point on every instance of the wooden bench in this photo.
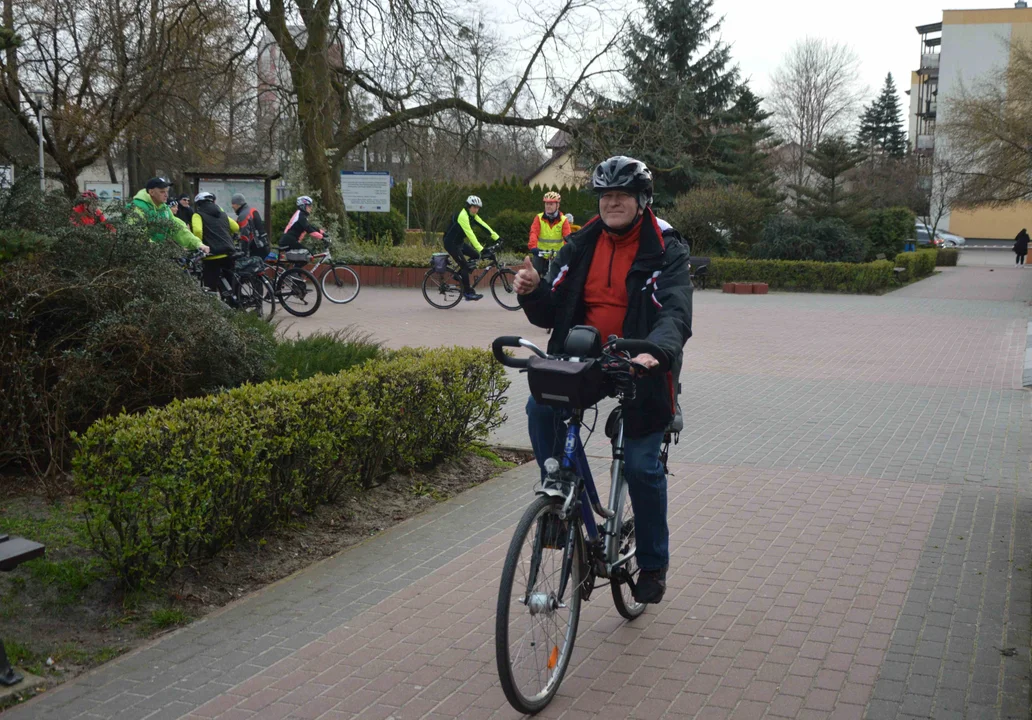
(700, 271)
(13, 552)
(897, 272)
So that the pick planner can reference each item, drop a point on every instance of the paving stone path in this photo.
(850, 509)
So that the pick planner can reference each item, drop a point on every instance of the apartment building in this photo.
(963, 50)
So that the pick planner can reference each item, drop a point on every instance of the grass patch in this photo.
(428, 490)
(61, 526)
(164, 618)
(489, 454)
(324, 353)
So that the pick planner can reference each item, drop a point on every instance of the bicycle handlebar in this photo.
(633, 347)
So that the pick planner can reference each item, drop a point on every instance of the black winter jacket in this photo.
(659, 309)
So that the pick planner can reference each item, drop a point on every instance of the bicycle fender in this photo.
(551, 492)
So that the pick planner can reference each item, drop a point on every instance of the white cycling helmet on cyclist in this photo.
(204, 197)
(304, 201)
(474, 200)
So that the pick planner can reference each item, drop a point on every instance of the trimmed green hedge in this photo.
(179, 482)
(919, 264)
(946, 257)
(804, 275)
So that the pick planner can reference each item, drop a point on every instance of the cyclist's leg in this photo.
(547, 432)
(211, 271)
(456, 252)
(647, 485)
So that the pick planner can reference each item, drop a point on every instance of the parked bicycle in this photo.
(295, 288)
(339, 283)
(243, 288)
(558, 549)
(442, 284)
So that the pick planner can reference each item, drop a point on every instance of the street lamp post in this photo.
(39, 95)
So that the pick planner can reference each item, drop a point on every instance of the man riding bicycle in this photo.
(618, 275)
(215, 228)
(461, 242)
(548, 231)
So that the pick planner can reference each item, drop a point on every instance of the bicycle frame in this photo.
(575, 460)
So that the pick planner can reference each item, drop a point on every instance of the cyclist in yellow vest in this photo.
(549, 230)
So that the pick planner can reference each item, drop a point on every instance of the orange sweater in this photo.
(605, 291)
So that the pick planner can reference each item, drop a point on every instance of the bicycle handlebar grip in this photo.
(637, 347)
(503, 342)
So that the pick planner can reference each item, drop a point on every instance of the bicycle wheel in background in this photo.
(623, 598)
(340, 284)
(503, 289)
(298, 292)
(535, 628)
(441, 290)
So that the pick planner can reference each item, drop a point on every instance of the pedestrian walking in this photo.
(1021, 247)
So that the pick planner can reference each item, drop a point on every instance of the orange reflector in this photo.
(553, 658)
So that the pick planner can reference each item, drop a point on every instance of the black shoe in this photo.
(473, 296)
(650, 586)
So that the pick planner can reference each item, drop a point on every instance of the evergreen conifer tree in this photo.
(881, 125)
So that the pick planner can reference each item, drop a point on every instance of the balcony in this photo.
(930, 63)
(925, 144)
(929, 109)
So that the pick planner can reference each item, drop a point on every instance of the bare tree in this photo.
(815, 93)
(988, 130)
(395, 53)
(99, 67)
(948, 186)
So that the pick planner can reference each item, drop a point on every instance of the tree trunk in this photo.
(12, 55)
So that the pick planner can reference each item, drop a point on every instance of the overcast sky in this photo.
(880, 31)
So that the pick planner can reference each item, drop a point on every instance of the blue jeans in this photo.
(646, 480)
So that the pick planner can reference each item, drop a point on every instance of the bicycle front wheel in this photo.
(504, 290)
(340, 284)
(538, 607)
(441, 290)
(298, 292)
(623, 598)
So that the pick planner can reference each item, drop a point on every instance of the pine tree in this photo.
(682, 86)
(747, 144)
(881, 125)
(829, 196)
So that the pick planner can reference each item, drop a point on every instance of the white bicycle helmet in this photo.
(304, 200)
(474, 200)
(204, 197)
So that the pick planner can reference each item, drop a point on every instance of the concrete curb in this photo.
(1026, 375)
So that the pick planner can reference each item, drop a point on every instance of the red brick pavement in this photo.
(783, 593)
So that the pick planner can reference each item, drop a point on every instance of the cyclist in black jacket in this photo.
(299, 226)
(650, 298)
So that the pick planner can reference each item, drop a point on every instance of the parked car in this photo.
(942, 238)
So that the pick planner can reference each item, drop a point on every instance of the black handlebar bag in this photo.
(562, 383)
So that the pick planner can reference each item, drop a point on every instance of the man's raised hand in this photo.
(527, 279)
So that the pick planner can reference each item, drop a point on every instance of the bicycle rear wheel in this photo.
(298, 292)
(340, 284)
(441, 290)
(623, 598)
(537, 616)
(502, 287)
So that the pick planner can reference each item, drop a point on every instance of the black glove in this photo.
(536, 252)
(475, 254)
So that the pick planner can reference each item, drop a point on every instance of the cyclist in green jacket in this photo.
(461, 242)
(150, 206)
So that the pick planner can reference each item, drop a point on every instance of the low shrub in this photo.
(888, 230)
(946, 257)
(827, 240)
(514, 228)
(99, 322)
(179, 482)
(372, 226)
(804, 275)
(918, 264)
(404, 255)
(719, 220)
(323, 352)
